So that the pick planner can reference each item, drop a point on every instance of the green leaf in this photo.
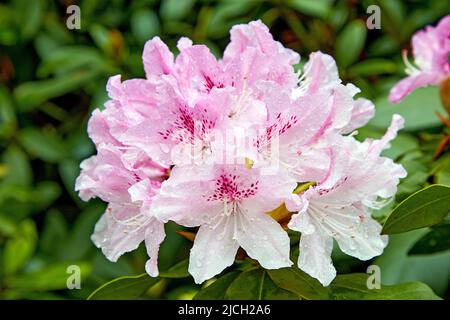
(180, 270)
(401, 145)
(8, 119)
(437, 240)
(256, 285)
(393, 261)
(424, 208)
(185, 292)
(30, 15)
(31, 94)
(46, 145)
(54, 233)
(107, 270)
(7, 225)
(419, 110)
(217, 289)
(443, 175)
(52, 277)
(175, 9)
(317, 8)
(134, 287)
(69, 170)
(372, 67)
(19, 248)
(69, 58)
(45, 44)
(350, 43)
(393, 13)
(28, 295)
(226, 14)
(144, 25)
(102, 38)
(18, 168)
(46, 193)
(298, 282)
(124, 288)
(78, 242)
(383, 46)
(415, 164)
(354, 287)
(398, 267)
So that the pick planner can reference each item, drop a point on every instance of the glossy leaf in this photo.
(79, 241)
(350, 43)
(217, 289)
(52, 277)
(354, 287)
(43, 144)
(419, 110)
(437, 240)
(256, 285)
(31, 94)
(298, 282)
(319, 8)
(424, 208)
(134, 287)
(144, 25)
(20, 247)
(180, 270)
(174, 9)
(372, 67)
(443, 175)
(124, 288)
(17, 166)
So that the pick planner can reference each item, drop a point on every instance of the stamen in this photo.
(242, 98)
(134, 221)
(410, 68)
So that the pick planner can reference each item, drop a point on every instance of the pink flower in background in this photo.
(219, 143)
(431, 49)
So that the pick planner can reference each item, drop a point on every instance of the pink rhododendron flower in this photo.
(339, 208)
(431, 49)
(126, 222)
(219, 143)
(229, 205)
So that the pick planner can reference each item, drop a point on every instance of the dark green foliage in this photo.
(51, 79)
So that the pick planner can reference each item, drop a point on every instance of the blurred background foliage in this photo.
(51, 79)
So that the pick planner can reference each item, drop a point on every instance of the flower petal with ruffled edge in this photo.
(340, 208)
(120, 230)
(230, 206)
(431, 47)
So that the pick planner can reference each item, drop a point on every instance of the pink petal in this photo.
(363, 111)
(409, 84)
(157, 58)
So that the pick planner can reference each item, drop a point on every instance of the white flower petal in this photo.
(116, 238)
(357, 234)
(302, 222)
(263, 239)
(315, 257)
(214, 248)
(154, 236)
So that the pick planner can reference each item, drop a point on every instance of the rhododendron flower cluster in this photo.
(219, 144)
(431, 49)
